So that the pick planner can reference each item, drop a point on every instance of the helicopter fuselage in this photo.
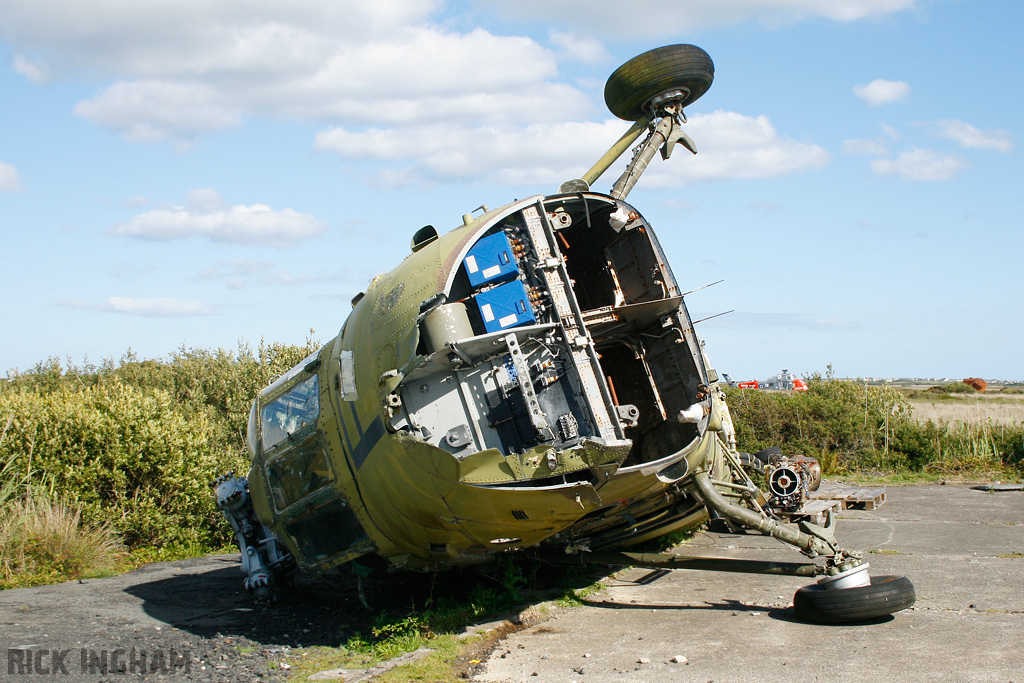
(531, 377)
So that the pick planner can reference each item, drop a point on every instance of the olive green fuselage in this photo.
(531, 377)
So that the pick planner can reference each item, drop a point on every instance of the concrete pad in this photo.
(967, 625)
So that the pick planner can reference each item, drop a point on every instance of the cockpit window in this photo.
(299, 472)
(289, 413)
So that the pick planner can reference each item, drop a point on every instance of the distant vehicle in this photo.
(784, 381)
(529, 382)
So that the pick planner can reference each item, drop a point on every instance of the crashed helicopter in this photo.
(529, 381)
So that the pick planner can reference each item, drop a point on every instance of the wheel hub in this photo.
(851, 578)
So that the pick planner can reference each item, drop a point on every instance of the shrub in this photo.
(123, 457)
(850, 426)
(844, 424)
(952, 388)
(135, 443)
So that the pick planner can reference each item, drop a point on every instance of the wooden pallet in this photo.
(852, 497)
(813, 511)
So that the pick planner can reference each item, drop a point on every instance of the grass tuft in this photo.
(44, 541)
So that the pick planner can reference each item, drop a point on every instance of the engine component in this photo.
(505, 306)
(790, 480)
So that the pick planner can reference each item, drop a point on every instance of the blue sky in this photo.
(195, 172)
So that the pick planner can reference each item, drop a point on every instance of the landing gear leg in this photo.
(845, 592)
(265, 562)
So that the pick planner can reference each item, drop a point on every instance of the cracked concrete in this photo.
(967, 624)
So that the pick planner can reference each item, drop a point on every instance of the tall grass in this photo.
(971, 437)
(12, 480)
(42, 541)
(971, 410)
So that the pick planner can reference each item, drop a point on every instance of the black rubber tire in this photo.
(673, 67)
(885, 595)
(766, 453)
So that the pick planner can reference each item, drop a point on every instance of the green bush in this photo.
(851, 426)
(134, 444)
(123, 456)
(130, 445)
(846, 425)
(952, 388)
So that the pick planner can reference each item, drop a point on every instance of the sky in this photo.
(209, 173)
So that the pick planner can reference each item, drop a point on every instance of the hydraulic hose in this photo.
(811, 545)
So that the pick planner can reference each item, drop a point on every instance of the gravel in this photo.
(189, 620)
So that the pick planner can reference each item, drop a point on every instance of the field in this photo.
(978, 409)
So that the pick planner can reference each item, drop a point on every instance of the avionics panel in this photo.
(505, 306)
(491, 261)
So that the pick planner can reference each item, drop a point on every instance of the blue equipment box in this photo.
(505, 306)
(491, 260)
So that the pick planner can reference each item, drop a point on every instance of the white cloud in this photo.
(419, 75)
(153, 110)
(10, 181)
(281, 277)
(586, 50)
(968, 136)
(920, 164)
(197, 36)
(176, 69)
(731, 146)
(205, 215)
(891, 132)
(148, 308)
(136, 201)
(204, 200)
(651, 18)
(521, 155)
(679, 204)
(132, 270)
(234, 273)
(182, 68)
(869, 147)
(37, 73)
(880, 91)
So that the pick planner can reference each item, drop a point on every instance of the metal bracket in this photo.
(533, 410)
